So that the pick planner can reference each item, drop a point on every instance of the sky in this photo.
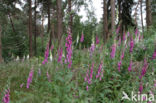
(97, 5)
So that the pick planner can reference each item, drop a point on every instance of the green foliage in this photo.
(68, 85)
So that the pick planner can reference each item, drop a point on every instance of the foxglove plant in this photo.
(21, 86)
(68, 45)
(144, 69)
(60, 55)
(113, 50)
(101, 76)
(87, 75)
(154, 83)
(91, 74)
(92, 48)
(154, 55)
(46, 54)
(82, 38)
(130, 66)
(6, 98)
(127, 34)
(141, 88)
(97, 40)
(29, 80)
(131, 45)
(99, 71)
(123, 54)
(119, 65)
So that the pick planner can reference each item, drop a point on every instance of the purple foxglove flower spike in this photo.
(21, 86)
(99, 70)
(119, 65)
(124, 36)
(82, 38)
(46, 55)
(60, 55)
(130, 66)
(87, 87)
(69, 49)
(113, 50)
(91, 74)
(131, 45)
(144, 69)
(101, 76)
(97, 40)
(141, 88)
(6, 98)
(29, 80)
(154, 55)
(92, 48)
(127, 34)
(86, 78)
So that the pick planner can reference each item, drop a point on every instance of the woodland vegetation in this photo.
(48, 54)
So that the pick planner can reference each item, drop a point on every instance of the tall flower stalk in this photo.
(29, 80)
(68, 45)
(89, 76)
(131, 45)
(46, 54)
(92, 48)
(97, 40)
(60, 52)
(144, 69)
(119, 65)
(100, 72)
(113, 50)
(6, 98)
(82, 37)
(154, 55)
(130, 66)
(140, 87)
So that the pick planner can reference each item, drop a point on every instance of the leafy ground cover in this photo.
(98, 74)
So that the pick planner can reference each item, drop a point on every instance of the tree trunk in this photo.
(1, 59)
(35, 45)
(112, 15)
(120, 18)
(70, 13)
(148, 13)
(48, 16)
(59, 21)
(105, 21)
(42, 33)
(141, 16)
(12, 25)
(30, 29)
(135, 12)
